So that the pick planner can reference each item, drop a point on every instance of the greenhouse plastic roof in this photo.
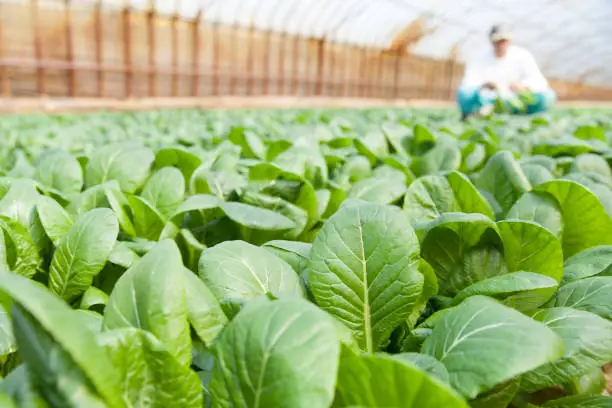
(571, 39)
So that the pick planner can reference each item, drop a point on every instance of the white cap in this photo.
(500, 32)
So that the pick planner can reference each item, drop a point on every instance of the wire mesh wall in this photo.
(67, 48)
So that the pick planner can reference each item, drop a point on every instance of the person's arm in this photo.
(532, 77)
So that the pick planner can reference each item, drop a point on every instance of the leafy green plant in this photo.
(306, 258)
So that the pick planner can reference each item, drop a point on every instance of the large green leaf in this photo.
(431, 196)
(540, 208)
(383, 190)
(148, 222)
(256, 218)
(364, 270)
(591, 163)
(586, 223)
(19, 202)
(294, 253)
(462, 249)
(126, 162)
(165, 190)
(149, 375)
(425, 362)
(121, 207)
(60, 171)
(151, 296)
(524, 291)
(503, 180)
(180, 158)
(590, 294)
(588, 345)
(388, 381)
(590, 262)
(203, 308)
(483, 344)
(282, 353)
(81, 255)
(53, 344)
(249, 142)
(443, 157)
(236, 271)
(531, 247)
(55, 220)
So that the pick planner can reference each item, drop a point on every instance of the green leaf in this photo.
(148, 222)
(91, 198)
(250, 144)
(387, 381)
(7, 338)
(591, 163)
(378, 190)
(19, 387)
(483, 344)
(297, 215)
(431, 196)
(531, 247)
(588, 344)
(426, 363)
(589, 294)
(126, 162)
(536, 174)
(122, 255)
(203, 308)
(93, 297)
(291, 340)
(586, 223)
(21, 254)
(540, 208)
(19, 202)
(90, 319)
(443, 157)
(81, 255)
(220, 183)
(256, 218)
(53, 344)
(563, 146)
(151, 296)
(294, 253)
(372, 144)
(498, 397)
(462, 249)
(524, 291)
(581, 401)
(503, 180)
(590, 262)
(54, 219)
(150, 376)
(364, 270)
(590, 132)
(187, 162)
(165, 190)
(60, 171)
(121, 207)
(236, 271)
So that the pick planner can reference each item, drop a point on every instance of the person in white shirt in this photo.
(503, 72)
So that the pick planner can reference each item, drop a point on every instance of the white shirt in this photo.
(517, 66)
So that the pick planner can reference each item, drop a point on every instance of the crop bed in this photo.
(305, 258)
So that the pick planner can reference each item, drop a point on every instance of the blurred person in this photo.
(504, 72)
